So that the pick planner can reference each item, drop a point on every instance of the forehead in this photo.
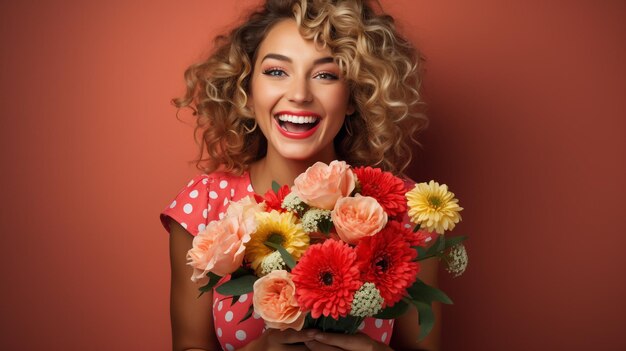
(284, 38)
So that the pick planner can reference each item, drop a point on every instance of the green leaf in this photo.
(289, 261)
(238, 286)
(417, 227)
(213, 280)
(394, 311)
(421, 251)
(425, 293)
(248, 314)
(454, 240)
(240, 272)
(426, 318)
(234, 300)
(438, 246)
(275, 186)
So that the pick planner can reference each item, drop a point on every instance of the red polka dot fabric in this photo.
(204, 199)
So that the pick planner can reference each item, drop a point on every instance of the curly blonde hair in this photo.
(380, 66)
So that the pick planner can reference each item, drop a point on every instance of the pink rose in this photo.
(358, 217)
(322, 185)
(219, 248)
(274, 300)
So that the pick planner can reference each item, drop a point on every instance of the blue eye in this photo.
(274, 72)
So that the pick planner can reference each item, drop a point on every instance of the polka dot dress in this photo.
(206, 198)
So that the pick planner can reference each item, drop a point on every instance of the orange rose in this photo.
(322, 185)
(358, 217)
(274, 300)
(219, 248)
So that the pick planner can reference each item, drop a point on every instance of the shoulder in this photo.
(203, 199)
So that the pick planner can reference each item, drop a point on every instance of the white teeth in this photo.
(297, 119)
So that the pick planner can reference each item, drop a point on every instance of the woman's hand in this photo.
(276, 340)
(334, 342)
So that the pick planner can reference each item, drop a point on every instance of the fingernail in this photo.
(319, 336)
(311, 333)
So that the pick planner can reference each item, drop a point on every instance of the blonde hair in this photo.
(381, 68)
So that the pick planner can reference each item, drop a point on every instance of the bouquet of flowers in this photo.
(332, 249)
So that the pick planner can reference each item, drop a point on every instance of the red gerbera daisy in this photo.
(386, 259)
(326, 278)
(274, 200)
(386, 188)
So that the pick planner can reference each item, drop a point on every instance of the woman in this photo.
(300, 81)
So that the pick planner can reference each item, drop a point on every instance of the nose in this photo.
(299, 90)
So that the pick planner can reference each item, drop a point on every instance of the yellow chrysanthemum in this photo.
(433, 207)
(280, 228)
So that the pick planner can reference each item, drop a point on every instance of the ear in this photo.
(351, 109)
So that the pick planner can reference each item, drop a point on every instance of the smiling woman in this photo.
(300, 82)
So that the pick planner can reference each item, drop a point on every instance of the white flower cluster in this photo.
(312, 219)
(292, 203)
(367, 301)
(272, 262)
(457, 260)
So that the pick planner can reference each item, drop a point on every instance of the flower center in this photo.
(276, 238)
(383, 264)
(326, 278)
(435, 201)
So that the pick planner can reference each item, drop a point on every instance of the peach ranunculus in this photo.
(274, 300)
(358, 217)
(219, 248)
(322, 185)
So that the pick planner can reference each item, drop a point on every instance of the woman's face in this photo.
(298, 96)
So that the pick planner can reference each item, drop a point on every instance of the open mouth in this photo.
(297, 124)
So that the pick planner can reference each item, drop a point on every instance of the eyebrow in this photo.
(327, 59)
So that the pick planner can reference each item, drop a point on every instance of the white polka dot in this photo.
(407, 225)
(378, 323)
(362, 325)
(187, 208)
(215, 302)
(250, 188)
(221, 215)
(190, 182)
(243, 298)
(220, 305)
(225, 201)
(391, 322)
(228, 316)
(223, 184)
(184, 225)
(240, 335)
(205, 213)
(212, 194)
(229, 347)
(193, 194)
(209, 207)
(204, 181)
(428, 239)
(232, 192)
(201, 227)
(384, 337)
(256, 315)
(173, 204)
(219, 332)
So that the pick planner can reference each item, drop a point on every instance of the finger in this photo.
(291, 336)
(347, 342)
(318, 346)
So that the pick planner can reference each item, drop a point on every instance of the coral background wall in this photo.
(528, 116)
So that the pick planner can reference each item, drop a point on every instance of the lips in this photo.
(297, 125)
